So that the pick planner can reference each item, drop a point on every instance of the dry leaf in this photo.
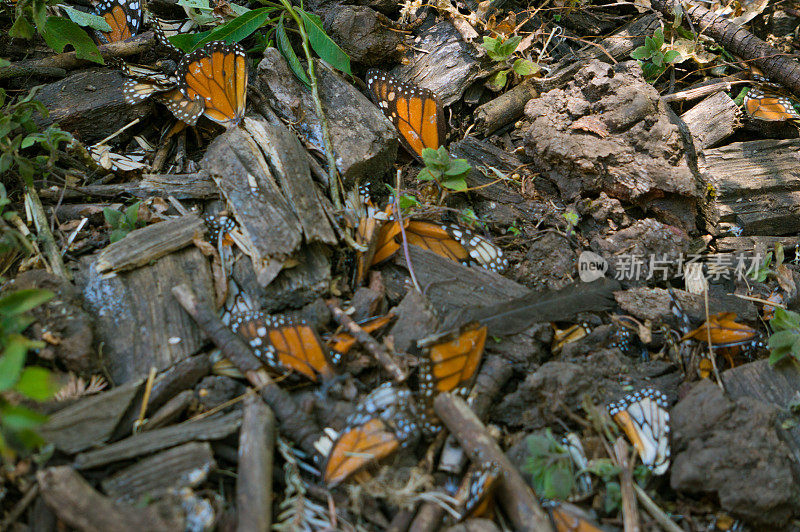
(592, 124)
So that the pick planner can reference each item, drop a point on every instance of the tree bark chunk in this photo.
(254, 483)
(712, 120)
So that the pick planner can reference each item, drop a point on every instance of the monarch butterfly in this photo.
(449, 366)
(124, 17)
(627, 340)
(566, 518)
(776, 297)
(370, 219)
(384, 421)
(583, 486)
(644, 418)
(215, 76)
(478, 488)
(769, 106)
(562, 337)
(415, 112)
(342, 342)
(164, 29)
(723, 330)
(108, 160)
(286, 345)
(449, 241)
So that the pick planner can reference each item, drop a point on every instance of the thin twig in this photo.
(630, 511)
(399, 216)
(711, 353)
(656, 512)
(377, 350)
(51, 250)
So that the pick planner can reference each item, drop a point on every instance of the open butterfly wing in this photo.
(482, 480)
(356, 447)
(415, 112)
(769, 107)
(285, 345)
(184, 109)
(124, 17)
(723, 331)
(216, 75)
(566, 521)
(342, 342)
(644, 419)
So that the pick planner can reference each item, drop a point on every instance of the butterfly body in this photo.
(415, 112)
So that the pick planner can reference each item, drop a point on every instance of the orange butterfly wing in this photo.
(285, 345)
(216, 75)
(343, 342)
(415, 112)
(124, 17)
(769, 107)
(566, 521)
(357, 447)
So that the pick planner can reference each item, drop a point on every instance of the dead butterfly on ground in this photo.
(644, 419)
(769, 106)
(114, 162)
(415, 112)
(583, 484)
(450, 241)
(124, 17)
(728, 338)
(384, 421)
(569, 518)
(477, 490)
(286, 345)
(164, 29)
(449, 365)
(343, 342)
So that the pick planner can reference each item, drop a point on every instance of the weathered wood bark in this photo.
(90, 421)
(181, 186)
(736, 40)
(186, 465)
(513, 493)
(712, 120)
(213, 428)
(256, 453)
(126, 304)
(756, 186)
(76, 503)
(170, 412)
(149, 243)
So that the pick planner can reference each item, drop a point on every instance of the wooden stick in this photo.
(294, 422)
(657, 513)
(69, 60)
(254, 483)
(513, 493)
(630, 511)
(377, 350)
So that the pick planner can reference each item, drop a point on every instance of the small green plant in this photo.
(550, 466)
(605, 469)
(123, 223)
(785, 339)
(502, 51)
(18, 423)
(762, 270)
(653, 60)
(407, 201)
(11, 240)
(447, 172)
(20, 137)
(30, 17)
(514, 230)
(572, 218)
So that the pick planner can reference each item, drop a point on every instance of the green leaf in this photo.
(457, 167)
(782, 339)
(779, 255)
(113, 217)
(285, 48)
(524, 67)
(12, 360)
(498, 80)
(59, 32)
(188, 41)
(36, 383)
(641, 53)
(239, 28)
(613, 498)
(82, 18)
(776, 356)
(559, 483)
(21, 29)
(672, 56)
(16, 417)
(28, 141)
(426, 175)
(490, 45)
(326, 49)
(457, 184)
(650, 44)
(118, 234)
(658, 38)
(132, 214)
(21, 301)
(785, 319)
(509, 46)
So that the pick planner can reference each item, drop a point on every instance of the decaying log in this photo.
(76, 503)
(777, 66)
(256, 454)
(90, 104)
(443, 62)
(513, 493)
(184, 466)
(90, 421)
(180, 186)
(212, 428)
(505, 109)
(294, 422)
(755, 186)
(128, 303)
(712, 120)
(654, 304)
(149, 243)
(364, 140)
(755, 244)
